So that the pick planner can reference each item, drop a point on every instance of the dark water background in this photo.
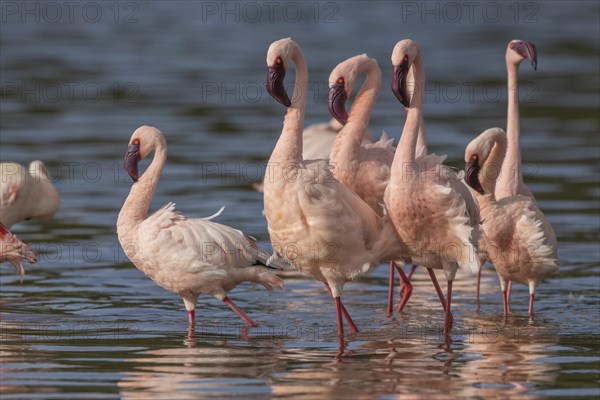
(76, 82)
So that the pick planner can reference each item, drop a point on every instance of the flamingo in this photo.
(318, 225)
(432, 211)
(14, 251)
(364, 168)
(510, 181)
(26, 193)
(518, 238)
(185, 256)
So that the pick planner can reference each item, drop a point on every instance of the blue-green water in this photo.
(86, 324)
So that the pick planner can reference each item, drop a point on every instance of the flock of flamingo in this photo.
(331, 188)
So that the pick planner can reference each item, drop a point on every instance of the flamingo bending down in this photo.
(26, 193)
(432, 211)
(187, 257)
(14, 251)
(517, 237)
(510, 181)
(364, 168)
(318, 225)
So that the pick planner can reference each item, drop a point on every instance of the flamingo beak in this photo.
(132, 159)
(275, 76)
(472, 175)
(399, 82)
(337, 102)
(527, 50)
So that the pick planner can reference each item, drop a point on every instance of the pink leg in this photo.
(413, 267)
(448, 318)
(408, 289)
(239, 312)
(391, 289)
(347, 317)
(192, 317)
(531, 305)
(338, 314)
(477, 289)
(436, 285)
(505, 303)
(508, 296)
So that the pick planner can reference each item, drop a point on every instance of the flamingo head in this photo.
(518, 50)
(278, 57)
(403, 56)
(342, 80)
(143, 141)
(480, 173)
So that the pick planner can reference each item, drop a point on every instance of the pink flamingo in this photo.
(432, 211)
(510, 181)
(26, 192)
(318, 225)
(363, 167)
(14, 251)
(187, 257)
(517, 237)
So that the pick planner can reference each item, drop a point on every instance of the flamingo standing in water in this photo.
(14, 251)
(187, 257)
(510, 181)
(318, 225)
(26, 193)
(517, 237)
(364, 168)
(432, 211)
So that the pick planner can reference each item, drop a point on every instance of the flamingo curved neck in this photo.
(136, 205)
(289, 146)
(405, 153)
(350, 138)
(511, 169)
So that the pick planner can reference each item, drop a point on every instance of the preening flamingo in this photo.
(26, 193)
(510, 181)
(14, 251)
(432, 210)
(187, 257)
(364, 168)
(517, 237)
(318, 225)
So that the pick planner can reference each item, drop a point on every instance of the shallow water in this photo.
(86, 323)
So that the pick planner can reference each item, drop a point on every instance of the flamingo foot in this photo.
(239, 312)
(407, 289)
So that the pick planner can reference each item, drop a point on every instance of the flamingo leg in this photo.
(436, 285)
(192, 317)
(239, 312)
(448, 317)
(508, 296)
(391, 289)
(477, 288)
(505, 302)
(345, 313)
(338, 314)
(531, 305)
(407, 286)
(413, 267)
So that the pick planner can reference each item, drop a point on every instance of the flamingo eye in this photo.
(474, 157)
(278, 60)
(405, 59)
(136, 142)
(340, 81)
(512, 46)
